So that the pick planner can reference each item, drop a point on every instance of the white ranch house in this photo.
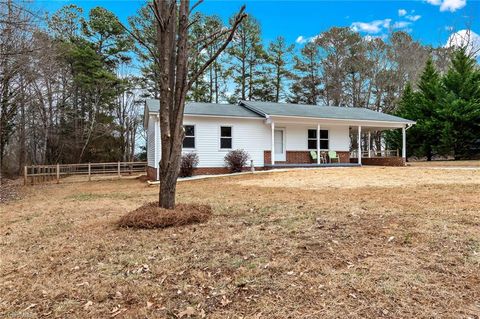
(276, 135)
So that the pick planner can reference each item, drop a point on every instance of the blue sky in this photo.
(428, 21)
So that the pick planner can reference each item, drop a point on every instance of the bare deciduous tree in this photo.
(171, 53)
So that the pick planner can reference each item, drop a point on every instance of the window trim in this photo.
(320, 139)
(194, 137)
(220, 138)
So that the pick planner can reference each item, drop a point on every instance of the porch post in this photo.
(369, 144)
(404, 143)
(318, 143)
(272, 148)
(359, 145)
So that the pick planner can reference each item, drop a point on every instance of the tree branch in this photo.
(154, 7)
(215, 35)
(195, 5)
(240, 16)
(142, 43)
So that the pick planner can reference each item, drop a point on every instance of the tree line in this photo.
(72, 82)
(446, 107)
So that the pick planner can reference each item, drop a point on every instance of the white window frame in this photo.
(320, 139)
(220, 138)
(194, 137)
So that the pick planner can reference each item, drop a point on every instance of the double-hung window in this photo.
(312, 139)
(189, 140)
(226, 137)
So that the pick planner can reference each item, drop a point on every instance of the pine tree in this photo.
(306, 86)
(248, 57)
(461, 106)
(279, 55)
(423, 106)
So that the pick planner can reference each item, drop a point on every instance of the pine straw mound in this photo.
(151, 216)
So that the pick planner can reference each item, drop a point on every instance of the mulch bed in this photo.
(151, 216)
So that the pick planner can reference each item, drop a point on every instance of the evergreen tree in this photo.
(278, 60)
(423, 106)
(461, 106)
(248, 57)
(307, 79)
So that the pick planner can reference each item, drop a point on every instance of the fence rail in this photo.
(36, 174)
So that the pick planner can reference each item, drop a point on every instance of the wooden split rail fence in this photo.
(36, 174)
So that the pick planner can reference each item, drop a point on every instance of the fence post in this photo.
(89, 172)
(25, 173)
(118, 169)
(58, 173)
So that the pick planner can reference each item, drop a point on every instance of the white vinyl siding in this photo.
(297, 136)
(251, 135)
(151, 139)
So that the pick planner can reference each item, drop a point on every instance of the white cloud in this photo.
(370, 38)
(465, 38)
(452, 5)
(402, 12)
(413, 17)
(401, 25)
(448, 5)
(371, 27)
(301, 39)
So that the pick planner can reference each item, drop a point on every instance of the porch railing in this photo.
(36, 174)
(379, 153)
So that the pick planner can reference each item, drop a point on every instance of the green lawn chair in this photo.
(332, 155)
(313, 154)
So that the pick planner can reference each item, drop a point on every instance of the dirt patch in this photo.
(151, 216)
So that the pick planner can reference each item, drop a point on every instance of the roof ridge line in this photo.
(253, 109)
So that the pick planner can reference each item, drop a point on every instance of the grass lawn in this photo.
(343, 242)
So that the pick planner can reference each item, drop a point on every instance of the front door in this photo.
(279, 138)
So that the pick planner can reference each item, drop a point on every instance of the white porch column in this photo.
(369, 144)
(272, 154)
(404, 143)
(318, 143)
(359, 145)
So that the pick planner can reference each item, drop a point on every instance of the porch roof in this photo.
(319, 111)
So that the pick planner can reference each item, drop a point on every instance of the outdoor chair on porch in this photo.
(323, 157)
(313, 155)
(332, 155)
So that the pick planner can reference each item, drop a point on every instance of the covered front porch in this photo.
(331, 143)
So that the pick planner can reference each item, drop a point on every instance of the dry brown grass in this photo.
(151, 216)
(466, 163)
(397, 251)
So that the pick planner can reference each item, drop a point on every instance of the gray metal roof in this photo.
(254, 109)
(320, 111)
(212, 109)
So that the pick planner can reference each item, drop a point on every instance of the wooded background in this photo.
(72, 82)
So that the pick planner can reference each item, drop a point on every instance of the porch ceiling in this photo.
(366, 129)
